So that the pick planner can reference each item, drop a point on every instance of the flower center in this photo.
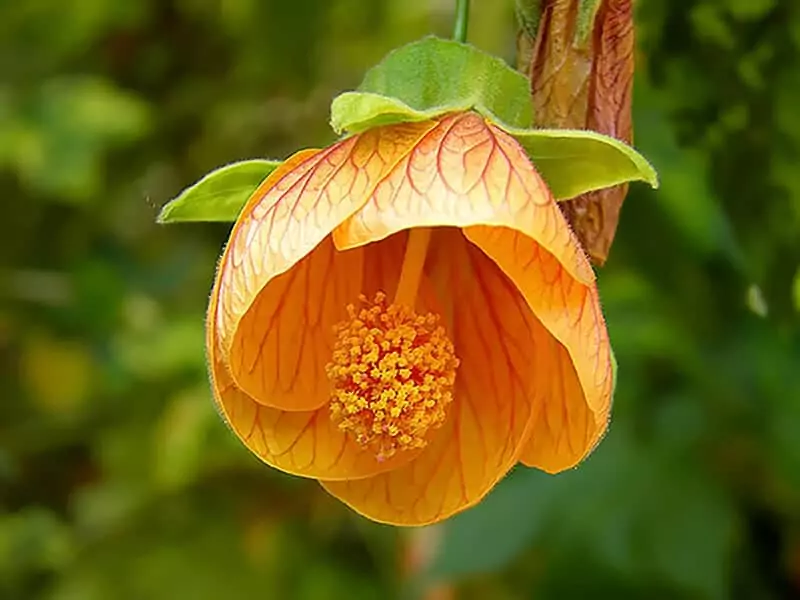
(392, 373)
(392, 370)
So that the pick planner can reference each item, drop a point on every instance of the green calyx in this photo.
(433, 77)
(424, 80)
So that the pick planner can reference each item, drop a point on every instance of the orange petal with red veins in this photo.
(304, 443)
(575, 413)
(285, 339)
(466, 172)
(564, 429)
(273, 291)
(487, 425)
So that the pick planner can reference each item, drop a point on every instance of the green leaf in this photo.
(630, 510)
(433, 76)
(55, 135)
(687, 197)
(796, 290)
(484, 539)
(220, 195)
(354, 112)
(755, 301)
(575, 161)
(571, 161)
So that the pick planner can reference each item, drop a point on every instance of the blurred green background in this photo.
(117, 478)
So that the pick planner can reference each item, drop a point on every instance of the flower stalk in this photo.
(462, 21)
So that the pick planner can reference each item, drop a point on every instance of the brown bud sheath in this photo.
(581, 71)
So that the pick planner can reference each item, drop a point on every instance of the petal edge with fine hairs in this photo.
(285, 222)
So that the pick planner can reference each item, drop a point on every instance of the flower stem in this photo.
(462, 21)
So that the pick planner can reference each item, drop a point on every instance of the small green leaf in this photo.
(431, 77)
(574, 161)
(220, 195)
(355, 112)
(796, 290)
(755, 301)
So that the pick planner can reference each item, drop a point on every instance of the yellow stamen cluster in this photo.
(392, 376)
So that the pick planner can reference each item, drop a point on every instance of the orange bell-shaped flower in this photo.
(406, 315)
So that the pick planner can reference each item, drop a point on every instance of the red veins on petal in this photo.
(514, 290)
(571, 313)
(466, 172)
(488, 423)
(267, 301)
(304, 443)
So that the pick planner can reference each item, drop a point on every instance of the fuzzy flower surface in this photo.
(405, 316)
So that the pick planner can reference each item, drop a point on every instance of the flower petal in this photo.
(563, 432)
(285, 339)
(564, 429)
(466, 172)
(290, 214)
(495, 336)
(304, 443)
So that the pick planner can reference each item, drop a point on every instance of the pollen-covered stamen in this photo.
(392, 376)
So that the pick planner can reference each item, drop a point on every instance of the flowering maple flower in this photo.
(406, 315)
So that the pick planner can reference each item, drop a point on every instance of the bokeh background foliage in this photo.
(118, 480)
